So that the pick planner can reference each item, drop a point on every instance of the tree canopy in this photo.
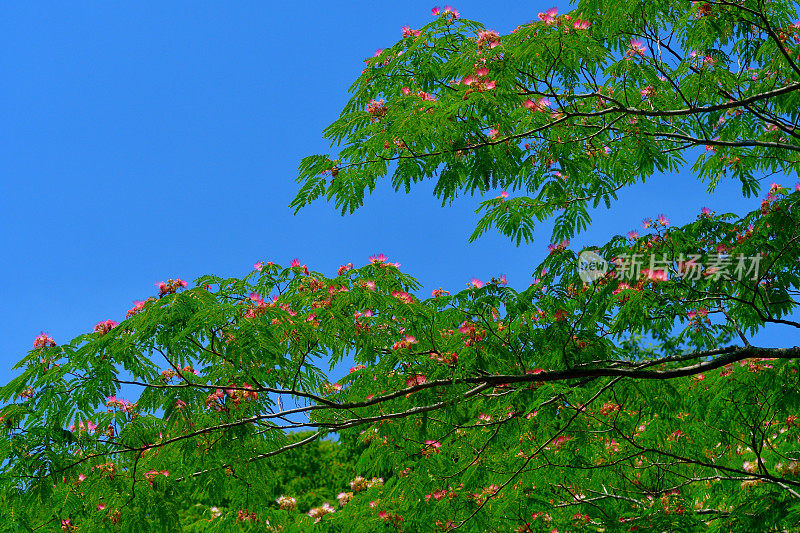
(619, 391)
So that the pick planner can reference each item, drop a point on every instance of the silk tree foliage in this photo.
(635, 401)
(566, 114)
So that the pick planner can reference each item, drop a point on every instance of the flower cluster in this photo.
(558, 248)
(446, 359)
(436, 293)
(377, 109)
(473, 334)
(86, 425)
(636, 48)
(104, 327)
(448, 13)
(403, 296)
(361, 483)
(112, 402)
(382, 261)
(138, 306)
(151, 474)
(344, 498)
(43, 340)
(296, 264)
(408, 32)
(416, 379)
(406, 342)
(478, 81)
(287, 503)
(246, 516)
(542, 104)
(170, 286)
(549, 16)
(485, 493)
(318, 512)
(488, 38)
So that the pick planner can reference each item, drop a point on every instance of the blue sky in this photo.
(147, 140)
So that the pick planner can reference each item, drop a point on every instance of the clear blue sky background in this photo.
(146, 140)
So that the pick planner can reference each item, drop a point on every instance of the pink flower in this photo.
(647, 91)
(468, 80)
(104, 327)
(655, 275)
(504, 194)
(621, 287)
(581, 24)
(295, 263)
(380, 258)
(493, 133)
(43, 340)
(664, 221)
(476, 283)
(490, 85)
(369, 285)
(549, 16)
(383, 514)
(405, 90)
(259, 266)
(540, 105)
(345, 268)
(416, 379)
(433, 443)
(403, 296)
(706, 212)
(483, 71)
(435, 11)
(636, 47)
(490, 37)
(633, 235)
(408, 32)
(101, 506)
(503, 279)
(453, 12)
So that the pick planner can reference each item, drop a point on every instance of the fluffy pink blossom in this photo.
(259, 266)
(416, 379)
(549, 16)
(104, 327)
(43, 340)
(636, 47)
(488, 37)
(581, 24)
(408, 32)
(476, 283)
(403, 296)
